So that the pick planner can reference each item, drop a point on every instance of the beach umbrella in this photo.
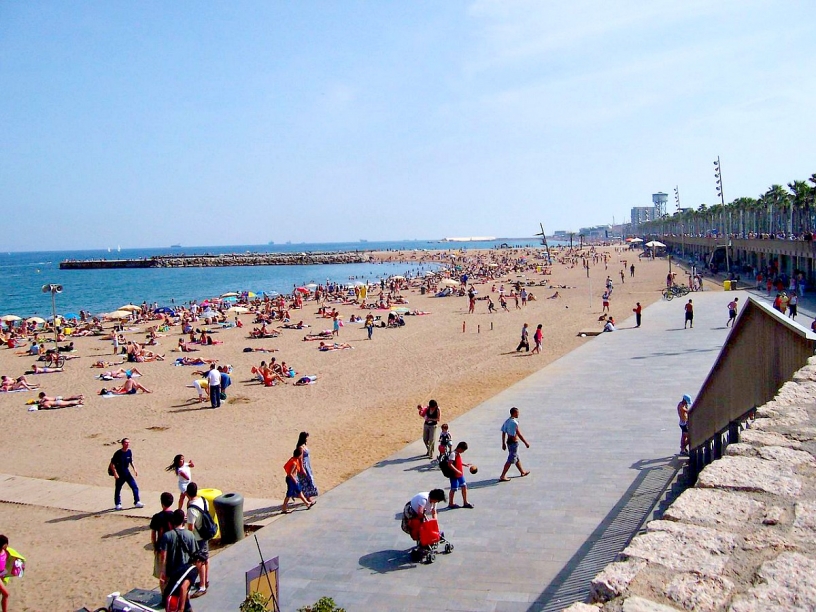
(36, 320)
(209, 314)
(271, 293)
(164, 310)
(312, 285)
(238, 310)
(10, 318)
(302, 290)
(398, 277)
(634, 240)
(118, 314)
(130, 307)
(655, 243)
(230, 294)
(449, 282)
(70, 315)
(251, 294)
(230, 299)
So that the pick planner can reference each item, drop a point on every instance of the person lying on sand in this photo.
(193, 361)
(306, 380)
(324, 335)
(106, 364)
(45, 369)
(260, 350)
(9, 384)
(45, 402)
(120, 373)
(298, 325)
(337, 346)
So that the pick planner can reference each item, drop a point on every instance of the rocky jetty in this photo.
(214, 261)
(743, 539)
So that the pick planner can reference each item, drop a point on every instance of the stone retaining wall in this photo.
(743, 539)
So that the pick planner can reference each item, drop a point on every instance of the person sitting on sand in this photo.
(185, 347)
(554, 296)
(337, 346)
(45, 370)
(51, 403)
(120, 373)
(9, 384)
(610, 325)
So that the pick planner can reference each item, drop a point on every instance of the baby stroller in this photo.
(426, 534)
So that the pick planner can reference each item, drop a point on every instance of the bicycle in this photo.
(54, 360)
(675, 291)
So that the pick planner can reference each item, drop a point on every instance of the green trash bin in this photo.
(230, 510)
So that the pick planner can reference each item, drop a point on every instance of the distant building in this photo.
(642, 214)
(596, 232)
(659, 200)
(560, 234)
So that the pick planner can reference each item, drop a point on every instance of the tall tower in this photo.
(659, 200)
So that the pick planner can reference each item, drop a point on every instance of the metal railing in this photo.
(762, 352)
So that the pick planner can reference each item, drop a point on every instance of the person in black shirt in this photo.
(120, 465)
(160, 524)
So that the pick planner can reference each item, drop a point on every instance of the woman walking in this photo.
(183, 470)
(305, 477)
(538, 336)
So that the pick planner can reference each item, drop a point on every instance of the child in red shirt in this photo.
(292, 468)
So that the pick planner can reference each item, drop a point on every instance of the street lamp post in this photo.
(53, 290)
(718, 176)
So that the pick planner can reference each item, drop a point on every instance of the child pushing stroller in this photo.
(419, 522)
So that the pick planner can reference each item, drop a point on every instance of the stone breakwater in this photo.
(211, 261)
(743, 539)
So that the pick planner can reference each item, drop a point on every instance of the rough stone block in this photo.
(699, 593)
(714, 507)
(639, 604)
(804, 523)
(740, 449)
(767, 539)
(683, 547)
(766, 438)
(614, 580)
(581, 607)
(750, 474)
(785, 455)
(787, 583)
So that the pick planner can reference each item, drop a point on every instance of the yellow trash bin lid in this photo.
(210, 495)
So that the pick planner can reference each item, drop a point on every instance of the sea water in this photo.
(22, 275)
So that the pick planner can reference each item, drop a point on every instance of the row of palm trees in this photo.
(777, 211)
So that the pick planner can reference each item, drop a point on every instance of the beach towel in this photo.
(16, 390)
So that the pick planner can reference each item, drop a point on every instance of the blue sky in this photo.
(151, 123)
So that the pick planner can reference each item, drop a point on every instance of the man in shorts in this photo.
(458, 481)
(732, 312)
(689, 315)
(511, 434)
(177, 548)
(195, 506)
(682, 412)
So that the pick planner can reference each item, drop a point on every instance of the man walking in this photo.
(214, 381)
(637, 310)
(525, 339)
(732, 312)
(431, 413)
(511, 434)
(119, 468)
(632, 271)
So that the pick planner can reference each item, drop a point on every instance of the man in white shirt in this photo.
(424, 504)
(214, 381)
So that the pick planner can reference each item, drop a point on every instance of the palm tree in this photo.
(802, 203)
(780, 200)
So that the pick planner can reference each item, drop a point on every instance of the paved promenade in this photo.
(603, 430)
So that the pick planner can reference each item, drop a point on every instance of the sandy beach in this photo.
(362, 408)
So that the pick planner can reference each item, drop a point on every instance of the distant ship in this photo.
(271, 242)
(288, 242)
(175, 246)
(470, 239)
(363, 240)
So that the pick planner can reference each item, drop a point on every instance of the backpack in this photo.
(445, 466)
(208, 528)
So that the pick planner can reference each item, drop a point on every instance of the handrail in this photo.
(762, 352)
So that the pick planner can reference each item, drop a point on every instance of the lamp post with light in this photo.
(53, 290)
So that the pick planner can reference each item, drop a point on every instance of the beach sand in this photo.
(361, 410)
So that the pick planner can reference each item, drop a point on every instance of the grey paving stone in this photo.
(598, 434)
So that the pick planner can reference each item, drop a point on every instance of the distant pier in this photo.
(217, 261)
